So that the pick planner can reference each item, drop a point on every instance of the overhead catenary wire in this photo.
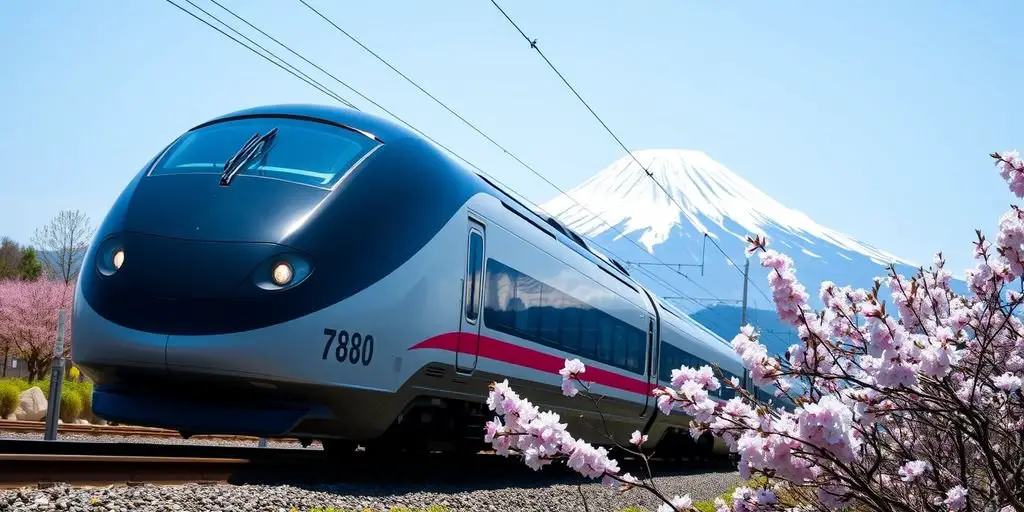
(492, 141)
(296, 73)
(329, 92)
(286, 47)
(534, 46)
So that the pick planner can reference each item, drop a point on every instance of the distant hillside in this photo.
(724, 320)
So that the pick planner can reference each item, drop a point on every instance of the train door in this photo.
(653, 346)
(472, 297)
(652, 361)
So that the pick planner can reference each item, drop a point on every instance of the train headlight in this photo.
(118, 259)
(282, 273)
(109, 256)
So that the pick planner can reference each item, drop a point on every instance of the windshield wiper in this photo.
(249, 150)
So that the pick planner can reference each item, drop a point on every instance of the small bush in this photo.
(18, 382)
(85, 391)
(70, 404)
(8, 398)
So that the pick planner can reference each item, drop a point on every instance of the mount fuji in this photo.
(694, 258)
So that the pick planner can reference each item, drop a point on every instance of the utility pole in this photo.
(746, 279)
(56, 381)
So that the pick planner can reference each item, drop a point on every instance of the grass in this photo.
(75, 397)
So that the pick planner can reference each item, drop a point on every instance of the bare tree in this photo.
(62, 244)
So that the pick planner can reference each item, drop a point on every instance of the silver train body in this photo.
(412, 283)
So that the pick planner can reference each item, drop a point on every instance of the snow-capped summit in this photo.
(622, 194)
(717, 202)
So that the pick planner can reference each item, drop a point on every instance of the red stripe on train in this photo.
(528, 358)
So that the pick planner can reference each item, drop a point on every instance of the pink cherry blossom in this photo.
(913, 469)
(956, 498)
(910, 395)
(637, 439)
(1007, 382)
(789, 295)
(677, 503)
(571, 373)
(1011, 168)
(28, 320)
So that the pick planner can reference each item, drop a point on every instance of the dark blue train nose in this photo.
(197, 207)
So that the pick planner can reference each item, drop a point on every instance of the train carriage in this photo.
(320, 273)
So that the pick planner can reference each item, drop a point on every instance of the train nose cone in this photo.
(197, 207)
(184, 269)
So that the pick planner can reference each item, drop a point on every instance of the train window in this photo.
(550, 311)
(522, 306)
(571, 326)
(604, 345)
(635, 350)
(673, 357)
(306, 152)
(473, 277)
(619, 346)
(591, 332)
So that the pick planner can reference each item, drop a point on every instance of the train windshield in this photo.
(306, 152)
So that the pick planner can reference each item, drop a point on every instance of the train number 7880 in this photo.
(352, 348)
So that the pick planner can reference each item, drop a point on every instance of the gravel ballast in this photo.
(487, 495)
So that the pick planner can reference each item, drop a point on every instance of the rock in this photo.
(81, 421)
(31, 405)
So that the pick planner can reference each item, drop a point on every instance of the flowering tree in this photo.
(906, 410)
(28, 320)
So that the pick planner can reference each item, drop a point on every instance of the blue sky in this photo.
(875, 118)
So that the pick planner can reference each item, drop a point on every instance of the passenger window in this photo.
(473, 277)
(619, 346)
(571, 327)
(550, 311)
(591, 330)
(604, 348)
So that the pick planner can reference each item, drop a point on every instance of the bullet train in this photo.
(323, 274)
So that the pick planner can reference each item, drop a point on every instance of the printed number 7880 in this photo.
(354, 348)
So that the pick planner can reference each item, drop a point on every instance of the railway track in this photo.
(105, 430)
(43, 463)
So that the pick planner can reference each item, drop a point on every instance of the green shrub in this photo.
(19, 383)
(81, 406)
(8, 398)
(70, 404)
(85, 391)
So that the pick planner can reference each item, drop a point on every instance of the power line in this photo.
(286, 47)
(707, 299)
(304, 78)
(492, 141)
(327, 91)
(533, 45)
(649, 264)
